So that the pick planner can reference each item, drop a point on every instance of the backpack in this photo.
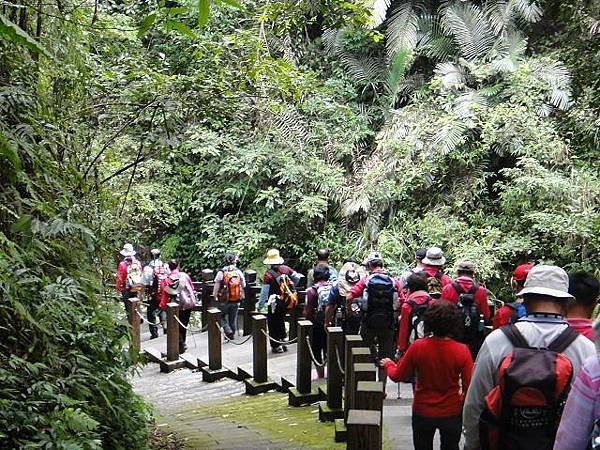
(285, 289)
(518, 311)
(380, 301)
(181, 292)
(595, 438)
(231, 288)
(416, 324)
(523, 410)
(434, 283)
(133, 282)
(323, 291)
(473, 330)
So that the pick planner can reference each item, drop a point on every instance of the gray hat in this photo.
(466, 266)
(547, 280)
(434, 257)
(372, 257)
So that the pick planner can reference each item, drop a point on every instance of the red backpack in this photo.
(523, 410)
(231, 289)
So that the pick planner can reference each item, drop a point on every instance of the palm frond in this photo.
(500, 15)
(402, 29)
(364, 69)
(595, 27)
(558, 78)
(467, 105)
(470, 28)
(453, 76)
(528, 10)
(332, 41)
(450, 136)
(510, 50)
(433, 42)
(396, 73)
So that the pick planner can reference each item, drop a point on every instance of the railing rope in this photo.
(293, 341)
(312, 355)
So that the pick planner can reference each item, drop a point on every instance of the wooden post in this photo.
(361, 372)
(207, 285)
(369, 395)
(260, 382)
(249, 301)
(364, 430)
(358, 355)
(214, 339)
(259, 347)
(133, 306)
(303, 361)
(332, 408)
(172, 331)
(303, 393)
(215, 370)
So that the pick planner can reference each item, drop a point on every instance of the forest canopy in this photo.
(208, 126)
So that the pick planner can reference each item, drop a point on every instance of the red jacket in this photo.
(502, 316)
(449, 294)
(440, 364)
(163, 295)
(419, 297)
(357, 290)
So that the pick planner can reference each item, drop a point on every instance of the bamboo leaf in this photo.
(203, 12)
(146, 24)
(13, 33)
(8, 151)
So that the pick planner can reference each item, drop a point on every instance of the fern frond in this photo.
(510, 52)
(470, 28)
(396, 73)
(528, 10)
(364, 69)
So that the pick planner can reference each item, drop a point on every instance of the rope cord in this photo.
(182, 325)
(293, 341)
(339, 361)
(312, 355)
(141, 317)
(220, 328)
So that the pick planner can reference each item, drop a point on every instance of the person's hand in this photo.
(384, 361)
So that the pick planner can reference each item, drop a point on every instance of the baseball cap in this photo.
(521, 272)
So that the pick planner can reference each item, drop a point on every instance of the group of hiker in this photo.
(525, 375)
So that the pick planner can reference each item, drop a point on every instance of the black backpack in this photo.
(380, 301)
(473, 329)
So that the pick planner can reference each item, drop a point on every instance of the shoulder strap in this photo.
(457, 287)
(439, 274)
(563, 340)
(514, 336)
(474, 288)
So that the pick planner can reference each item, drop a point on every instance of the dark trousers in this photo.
(229, 315)
(276, 324)
(184, 317)
(154, 313)
(424, 429)
(318, 342)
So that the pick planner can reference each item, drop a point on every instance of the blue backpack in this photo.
(380, 301)
(518, 311)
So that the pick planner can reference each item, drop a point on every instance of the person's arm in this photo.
(295, 277)
(310, 278)
(309, 305)
(218, 282)
(264, 295)
(482, 303)
(481, 383)
(402, 369)
(357, 290)
(403, 329)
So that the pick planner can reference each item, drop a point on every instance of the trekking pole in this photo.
(399, 397)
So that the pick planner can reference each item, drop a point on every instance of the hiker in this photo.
(540, 345)
(580, 422)
(339, 312)
(432, 265)
(279, 293)
(153, 274)
(229, 291)
(420, 254)
(471, 299)
(380, 308)
(509, 313)
(179, 288)
(322, 260)
(317, 297)
(129, 274)
(585, 288)
(443, 368)
(412, 311)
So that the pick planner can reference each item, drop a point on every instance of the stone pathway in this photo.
(220, 416)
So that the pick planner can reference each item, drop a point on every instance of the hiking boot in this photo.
(230, 336)
(284, 347)
(278, 349)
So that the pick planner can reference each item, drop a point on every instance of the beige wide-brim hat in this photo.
(434, 257)
(273, 258)
(127, 250)
(547, 280)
